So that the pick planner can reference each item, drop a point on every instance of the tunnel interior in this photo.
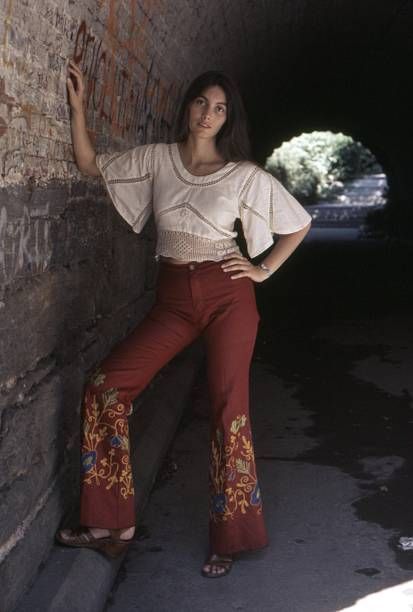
(339, 67)
(75, 279)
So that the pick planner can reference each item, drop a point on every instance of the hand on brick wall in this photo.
(76, 87)
(85, 155)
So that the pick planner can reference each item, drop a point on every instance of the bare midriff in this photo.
(175, 261)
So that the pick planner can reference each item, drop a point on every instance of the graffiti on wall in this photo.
(130, 107)
(125, 89)
(25, 244)
(132, 99)
(127, 98)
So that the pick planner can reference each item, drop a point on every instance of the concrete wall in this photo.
(74, 278)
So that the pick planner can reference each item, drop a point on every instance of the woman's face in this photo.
(208, 112)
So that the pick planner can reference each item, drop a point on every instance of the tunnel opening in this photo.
(337, 178)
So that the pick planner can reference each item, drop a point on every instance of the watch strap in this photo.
(265, 268)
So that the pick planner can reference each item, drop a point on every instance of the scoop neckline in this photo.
(185, 170)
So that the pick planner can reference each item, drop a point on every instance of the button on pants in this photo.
(192, 300)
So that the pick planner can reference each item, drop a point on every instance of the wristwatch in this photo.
(265, 268)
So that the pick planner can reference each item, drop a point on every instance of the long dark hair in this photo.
(232, 140)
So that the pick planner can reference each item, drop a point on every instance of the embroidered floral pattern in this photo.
(233, 481)
(97, 378)
(105, 450)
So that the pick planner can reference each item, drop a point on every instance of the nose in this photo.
(205, 112)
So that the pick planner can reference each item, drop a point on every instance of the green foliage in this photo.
(314, 165)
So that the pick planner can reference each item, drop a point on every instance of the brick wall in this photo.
(74, 278)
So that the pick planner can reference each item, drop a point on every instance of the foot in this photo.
(98, 533)
(121, 534)
(217, 566)
(112, 542)
(82, 537)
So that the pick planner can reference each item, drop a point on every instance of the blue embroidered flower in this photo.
(115, 441)
(255, 498)
(218, 503)
(88, 460)
(231, 473)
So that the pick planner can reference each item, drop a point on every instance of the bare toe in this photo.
(217, 566)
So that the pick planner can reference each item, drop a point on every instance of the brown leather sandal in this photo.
(221, 562)
(82, 537)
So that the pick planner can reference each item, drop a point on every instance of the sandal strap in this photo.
(218, 561)
(217, 558)
(82, 535)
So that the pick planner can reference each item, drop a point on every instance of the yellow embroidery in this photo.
(233, 479)
(238, 423)
(242, 466)
(97, 378)
(106, 423)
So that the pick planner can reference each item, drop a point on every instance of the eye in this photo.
(199, 101)
(221, 109)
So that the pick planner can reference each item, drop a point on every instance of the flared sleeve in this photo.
(128, 178)
(267, 208)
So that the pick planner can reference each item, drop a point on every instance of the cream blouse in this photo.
(195, 215)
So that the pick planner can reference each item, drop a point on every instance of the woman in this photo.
(196, 188)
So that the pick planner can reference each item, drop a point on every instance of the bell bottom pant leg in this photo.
(107, 493)
(236, 517)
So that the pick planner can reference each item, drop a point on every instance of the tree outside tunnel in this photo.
(336, 177)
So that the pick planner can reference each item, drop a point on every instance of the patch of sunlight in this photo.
(394, 599)
(317, 164)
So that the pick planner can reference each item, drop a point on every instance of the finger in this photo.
(77, 82)
(239, 275)
(236, 269)
(72, 87)
(233, 256)
(232, 261)
(74, 64)
(74, 74)
(75, 69)
(242, 265)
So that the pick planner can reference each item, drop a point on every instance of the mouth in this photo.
(204, 125)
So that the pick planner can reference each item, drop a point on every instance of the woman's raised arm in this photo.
(85, 155)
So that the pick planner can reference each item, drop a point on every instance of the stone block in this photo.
(29, 548)
(36, 439)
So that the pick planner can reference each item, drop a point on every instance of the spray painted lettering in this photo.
(25, 244)
(141, 110)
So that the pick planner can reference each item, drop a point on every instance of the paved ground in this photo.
(356, 199)
(332, 416)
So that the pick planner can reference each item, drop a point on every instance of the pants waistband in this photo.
(192, 265)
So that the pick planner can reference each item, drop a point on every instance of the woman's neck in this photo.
(196, 152)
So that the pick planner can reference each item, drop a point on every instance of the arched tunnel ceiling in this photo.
(338, 65)
(305, 65)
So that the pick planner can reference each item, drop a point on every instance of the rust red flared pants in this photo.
(192, 300)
